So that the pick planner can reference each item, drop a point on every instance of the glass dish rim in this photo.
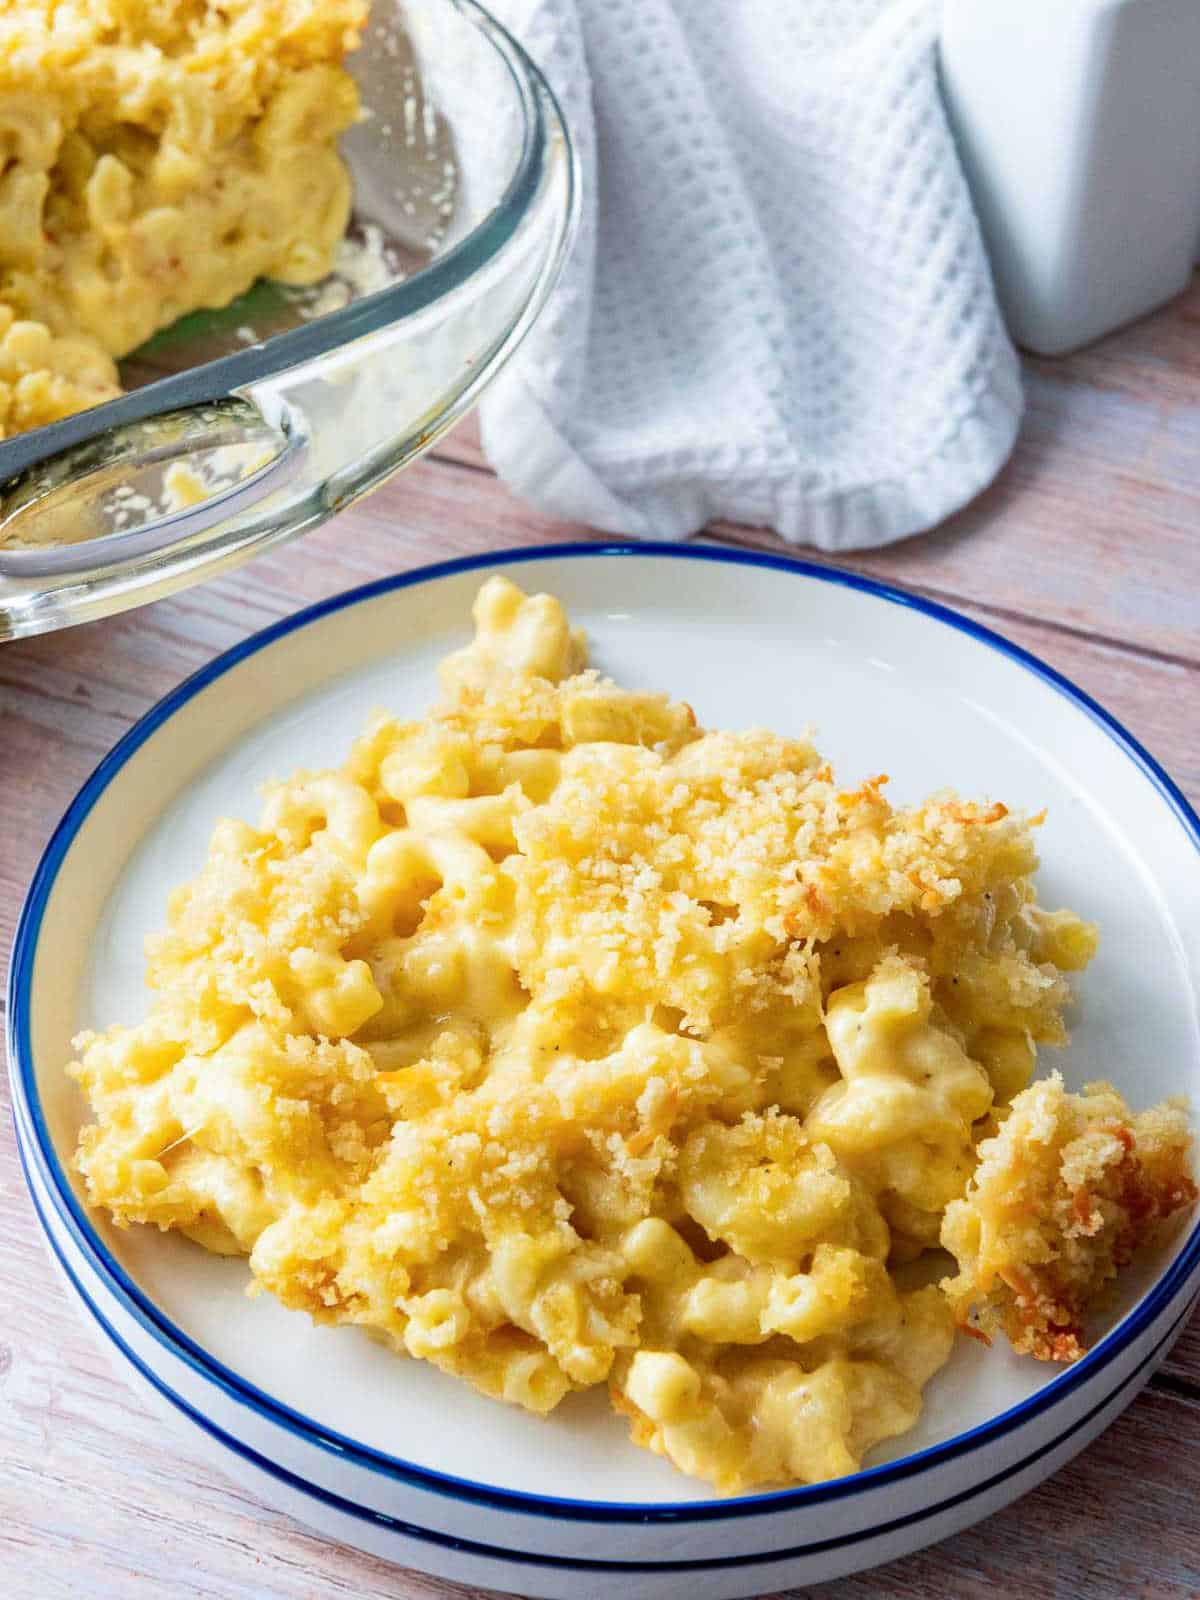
(1173, 1282)
(118, 571)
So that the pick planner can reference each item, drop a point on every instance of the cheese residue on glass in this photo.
(156, 158)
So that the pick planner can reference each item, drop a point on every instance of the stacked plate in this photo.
(391, 1455)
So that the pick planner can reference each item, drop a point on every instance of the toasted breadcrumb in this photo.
(1067, 1192)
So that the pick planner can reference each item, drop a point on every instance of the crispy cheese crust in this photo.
(1066, 1193)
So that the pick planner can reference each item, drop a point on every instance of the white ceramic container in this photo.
(1078, 123)
(393, 1456)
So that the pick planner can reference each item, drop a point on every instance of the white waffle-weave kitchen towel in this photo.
(779, 309)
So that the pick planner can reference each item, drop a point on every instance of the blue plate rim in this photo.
(182, 1347)
(1132, 1381)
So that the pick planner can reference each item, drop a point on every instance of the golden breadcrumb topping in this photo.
(561, 1042)
(1066, 1193)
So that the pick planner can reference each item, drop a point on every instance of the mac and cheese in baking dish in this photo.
(156, 157)
(559, 1042)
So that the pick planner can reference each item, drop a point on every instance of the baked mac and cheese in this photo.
(156, 157)
(561, 1042)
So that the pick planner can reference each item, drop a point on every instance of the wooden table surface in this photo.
(1086, 550)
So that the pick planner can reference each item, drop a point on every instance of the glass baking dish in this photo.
(287, 406)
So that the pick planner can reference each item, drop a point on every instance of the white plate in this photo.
(890, 684)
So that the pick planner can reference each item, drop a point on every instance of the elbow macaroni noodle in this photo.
(562, 1043)
(155, 159)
